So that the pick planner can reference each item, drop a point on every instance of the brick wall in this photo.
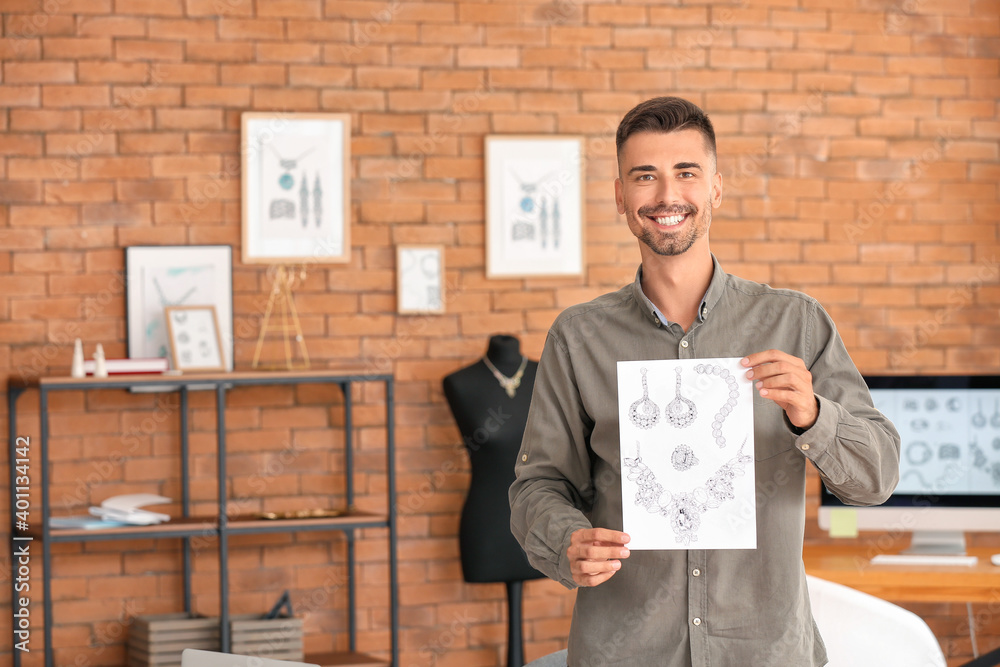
(858, 138)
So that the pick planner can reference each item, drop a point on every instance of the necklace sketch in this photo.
(681, 412)
(644, 413)
(283, 207)
(730, 404)
(536, 217)
(509, 384)
(684, 509)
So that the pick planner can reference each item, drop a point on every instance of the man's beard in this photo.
(671, 245)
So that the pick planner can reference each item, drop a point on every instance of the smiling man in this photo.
(709, 608)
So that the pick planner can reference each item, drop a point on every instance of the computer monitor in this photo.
(949, 468)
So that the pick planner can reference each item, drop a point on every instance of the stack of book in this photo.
(129, 366)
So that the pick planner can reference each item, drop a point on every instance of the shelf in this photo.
(214, 527)
(343, 660)
(208, 526)
(350, 520)
(252, 377)
(181, 527)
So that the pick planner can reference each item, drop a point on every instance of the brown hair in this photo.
(665, 114)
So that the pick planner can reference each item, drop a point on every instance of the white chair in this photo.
(195, 658)
(557, 659)
(861, 630)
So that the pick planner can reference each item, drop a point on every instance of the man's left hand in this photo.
(785, 380)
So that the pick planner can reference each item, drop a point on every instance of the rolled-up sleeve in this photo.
(553, 487)
(853, 445)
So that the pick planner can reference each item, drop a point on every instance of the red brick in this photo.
(288, 52)
(96, 71)
(320, 75)
(39, 72)
(77, 48)
(220, 52)
(73, 192)
(115, 26)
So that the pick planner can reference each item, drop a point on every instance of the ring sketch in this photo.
(681, 487)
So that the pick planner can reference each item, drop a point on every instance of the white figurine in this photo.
(76, 369)
(100, 368)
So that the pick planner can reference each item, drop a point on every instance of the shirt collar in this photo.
(708, 301)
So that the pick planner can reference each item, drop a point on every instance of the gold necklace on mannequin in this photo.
(509, 384)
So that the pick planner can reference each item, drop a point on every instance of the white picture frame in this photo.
(535, 209)
(296, 188)
(195, 344)
(420, 279)
(157, 277)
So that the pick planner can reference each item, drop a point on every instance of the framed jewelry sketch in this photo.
(195, 344)
(296, 188)
(419, 279)
(158, 277)
(534, 205)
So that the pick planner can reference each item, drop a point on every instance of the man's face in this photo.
(667, 188)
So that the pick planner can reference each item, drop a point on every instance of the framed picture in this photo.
(157, 277)
(296, 188)
(420, 279)
(195, 344)
(534, 206)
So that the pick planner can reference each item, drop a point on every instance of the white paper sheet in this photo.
(687, 454)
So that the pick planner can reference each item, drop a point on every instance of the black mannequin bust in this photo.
(491, 413)
(492, 421)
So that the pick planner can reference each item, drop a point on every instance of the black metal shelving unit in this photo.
(220, 527)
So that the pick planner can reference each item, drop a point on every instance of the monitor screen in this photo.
(949, 467)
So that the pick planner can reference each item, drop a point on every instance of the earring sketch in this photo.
(681, 412)
(644, 413)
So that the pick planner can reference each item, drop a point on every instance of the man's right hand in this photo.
(594, 554)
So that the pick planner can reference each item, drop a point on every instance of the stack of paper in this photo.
(127, 509)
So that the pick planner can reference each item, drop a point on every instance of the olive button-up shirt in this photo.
(693, 608)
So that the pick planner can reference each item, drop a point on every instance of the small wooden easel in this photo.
(289, 327)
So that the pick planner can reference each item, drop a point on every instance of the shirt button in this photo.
(696, 621)
(696, 572)
(805, 447)
(524, 457)
(684, 343)
(704, 312)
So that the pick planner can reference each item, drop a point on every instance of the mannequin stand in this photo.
(515, 638)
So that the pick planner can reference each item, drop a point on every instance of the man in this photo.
(703, 608)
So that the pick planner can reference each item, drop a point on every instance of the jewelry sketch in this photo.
(734, 394)
(684, 509)
(681, 411)
(296, 187)
(419, 279)
(534, 205)
(683, 457)
(979, 419)
(644, 413)
(704, 494)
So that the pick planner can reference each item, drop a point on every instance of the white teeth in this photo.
(672, 220)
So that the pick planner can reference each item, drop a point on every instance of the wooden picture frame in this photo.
(420, 279)
(195, 343)
(535, 212)
(157, 277)
(296, 188)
